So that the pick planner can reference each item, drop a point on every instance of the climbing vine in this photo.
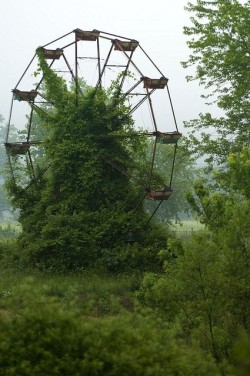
(82, 205)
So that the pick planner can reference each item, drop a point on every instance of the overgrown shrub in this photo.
(205, 290)
(86, 201)
(38, 337)
(241, 355)
(9, 255)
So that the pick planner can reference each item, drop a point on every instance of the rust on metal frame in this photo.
(16, 148)
(167, 137)
(125, 45)
(28, 96)
(51, 54)
(21, 147)
(159, 195)
(86, 35)
(155, 83)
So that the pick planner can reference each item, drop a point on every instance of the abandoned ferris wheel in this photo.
(100, 58)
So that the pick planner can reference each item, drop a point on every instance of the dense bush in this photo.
(241, 355)
(206, 290)
(38, 337)
(9, 255)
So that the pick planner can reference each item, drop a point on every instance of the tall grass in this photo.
(88, 291)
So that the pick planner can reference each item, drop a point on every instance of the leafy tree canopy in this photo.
(219, 41)
(220, 53)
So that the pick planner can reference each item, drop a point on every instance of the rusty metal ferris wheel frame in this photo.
(111, 55)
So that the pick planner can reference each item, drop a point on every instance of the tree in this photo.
(220, 54)
(205, 288)
(206, 284)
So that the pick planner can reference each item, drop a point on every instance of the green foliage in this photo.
(206, 290)
(219, 41)
(225, 200)
(5, 206)
(241, 355)
(7, 251)
(208, 287)
(38, 337)
(239, 172)
(94, 294)
(83, 204)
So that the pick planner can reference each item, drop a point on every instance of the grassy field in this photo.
(102, 294)
(86, 324)
(186, 228)
(95, 293)
(183, 229)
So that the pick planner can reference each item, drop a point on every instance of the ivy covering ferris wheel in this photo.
(99, 58)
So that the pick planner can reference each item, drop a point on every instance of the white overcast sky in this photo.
(157, 25)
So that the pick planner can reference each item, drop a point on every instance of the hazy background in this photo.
(157, 25)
